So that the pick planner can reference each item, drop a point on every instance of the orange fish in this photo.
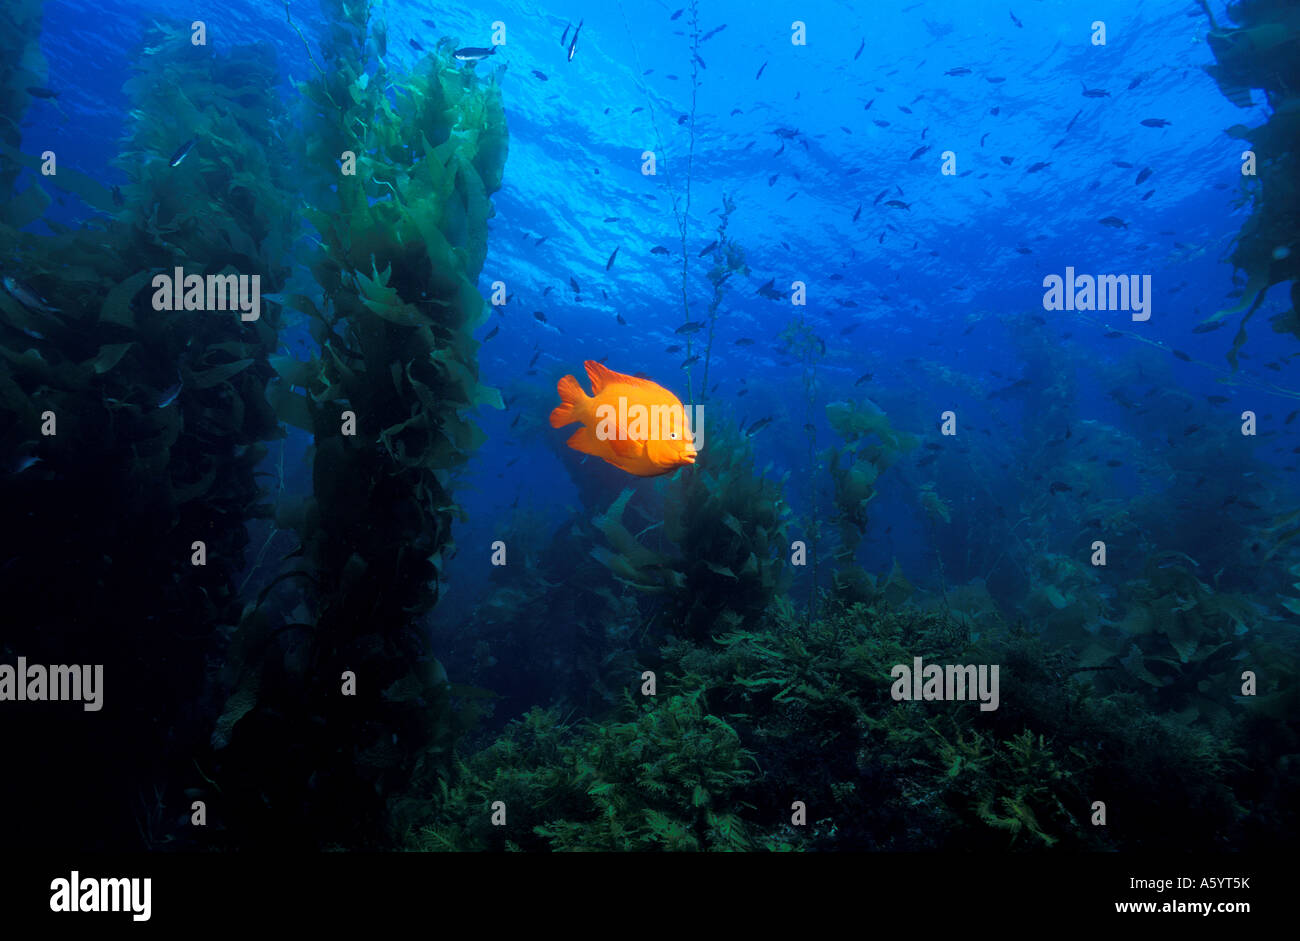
(635, 424)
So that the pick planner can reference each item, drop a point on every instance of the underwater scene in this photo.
(650, 425)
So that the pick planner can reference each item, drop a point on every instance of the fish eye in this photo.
(673, 435)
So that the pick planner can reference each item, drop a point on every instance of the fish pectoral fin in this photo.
(624, 446)
(585, 441)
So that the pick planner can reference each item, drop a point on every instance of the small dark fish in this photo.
(1114, 463)
(995, 111)
(1016, 21)
(1136, 82)
(1112, 334)
(867, 106)
(474, 53)
(537, 242)
(574, 284)
(1094, 92)
(1058, 487)
(619, 318)
(1147, 195)
(170, 395)
(918, 152)
(675, 348)
(658, 250)
(1183, 356)
(928, 459)
(1191, 430)
(533, 362)
(26, 296)
(879, 123)
(995, 79)
(883, 193)
(760, 71)
(898, 204)
(541, 75)
(610, 264)
(859, 52)
(1041, 165)
(1072, 120)
(415, 45)
(516, 419)
(1143, 176)
(713, 32)
(1216, 399)
(708, 248)
(118, 198)
(491, 333)
(573, 44)
(1115, 222)
(744, 341)
(692, 326)
(1155, 122)
(690, 361)
(960, 70)
(611, 218)
(677, 14)
(757, 427)
(549, 289)
(857, 212)
(565, 38)
(1122, 164)
(865, 377)
(904, 109)
(429, 23)
(37, 92)
(541, 317)
(182, 152)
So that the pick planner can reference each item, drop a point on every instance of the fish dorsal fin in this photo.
(601, 376)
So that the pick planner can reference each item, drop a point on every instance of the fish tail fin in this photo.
(571, 397)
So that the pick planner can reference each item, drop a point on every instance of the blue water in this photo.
(971, 249)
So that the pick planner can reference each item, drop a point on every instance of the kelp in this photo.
(871, 446)
(727, 532)
(661, 776)
(161, 417)
(1262, 51)
(22, 66)
(399, 245)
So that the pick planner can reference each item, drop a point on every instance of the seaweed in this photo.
(1261, 52)
(400, 244)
